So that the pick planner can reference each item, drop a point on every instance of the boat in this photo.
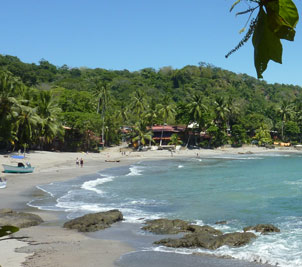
(20, 168)
(2, 183)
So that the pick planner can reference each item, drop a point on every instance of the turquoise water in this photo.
(242, 189)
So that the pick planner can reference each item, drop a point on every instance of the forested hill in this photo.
(91, 99)
(178, 83)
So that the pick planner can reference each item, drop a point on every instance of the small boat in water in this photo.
(2, 183)
(20, 168)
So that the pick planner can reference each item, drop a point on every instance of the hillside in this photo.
(101, 101)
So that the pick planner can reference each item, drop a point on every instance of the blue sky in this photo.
(136, 34)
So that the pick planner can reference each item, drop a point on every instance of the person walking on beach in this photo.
(77, 162)
(81, 162)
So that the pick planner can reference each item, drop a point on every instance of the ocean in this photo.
(243, 190)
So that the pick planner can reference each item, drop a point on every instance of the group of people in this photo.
(79, 162)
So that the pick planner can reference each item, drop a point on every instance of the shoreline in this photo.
(49, 244)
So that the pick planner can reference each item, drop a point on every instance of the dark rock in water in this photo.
(95, 221)
(18, 219)
(262, 228)
(166, 226)
(202, 240)
(221, 222)
(234, 239)
(208, 241)
(203, 229)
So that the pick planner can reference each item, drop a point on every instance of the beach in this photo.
(49, 244)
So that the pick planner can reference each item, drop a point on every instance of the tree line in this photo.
(44, 106)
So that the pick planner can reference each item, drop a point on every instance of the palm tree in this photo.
(234, 111)
(103, 97)
(222, 111)
(48, 110)
(138, 102)
(9, 90)
(166, 111)
(112, 128)
(175, 140)
(26, 123)
(197, 108)
(298, 114)
(123, 114)
(141, 136)
(285, 111)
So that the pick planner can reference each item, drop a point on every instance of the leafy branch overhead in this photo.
(276, 19)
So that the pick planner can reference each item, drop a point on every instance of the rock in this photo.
(166, 226)
(234, 239)
(262, 228)
(202, 240)
(169, 227)
(2, 211)
(95, 221)
(208, 241)
(18, 219)
(203, 229)
(221, 222)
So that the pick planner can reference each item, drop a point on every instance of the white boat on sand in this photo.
(20, 168)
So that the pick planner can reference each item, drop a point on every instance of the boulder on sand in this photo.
(94, 221)
(18, 219)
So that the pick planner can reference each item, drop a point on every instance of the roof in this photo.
(165, 128)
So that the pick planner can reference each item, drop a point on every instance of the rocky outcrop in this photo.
(95, 221)
(199, 236)
(208, 241)
(262, 228)
(18, 219)
(197, 229)
(168, 227)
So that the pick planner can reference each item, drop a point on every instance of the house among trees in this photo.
(162, 133)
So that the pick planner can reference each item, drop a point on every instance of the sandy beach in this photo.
(51, 245)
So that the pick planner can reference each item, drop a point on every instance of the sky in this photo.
(137, 34)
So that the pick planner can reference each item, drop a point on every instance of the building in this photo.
(164, 133)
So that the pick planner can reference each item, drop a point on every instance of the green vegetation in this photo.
(276, 20)
(7, 230)
(79, 109)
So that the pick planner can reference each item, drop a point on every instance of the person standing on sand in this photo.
(81, 162)
(77, 162)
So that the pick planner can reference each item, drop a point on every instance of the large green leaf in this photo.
(288, 11)
(267, 45)
(282, 18)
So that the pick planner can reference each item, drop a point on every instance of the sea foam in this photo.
(135, 171)
(93, 184)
